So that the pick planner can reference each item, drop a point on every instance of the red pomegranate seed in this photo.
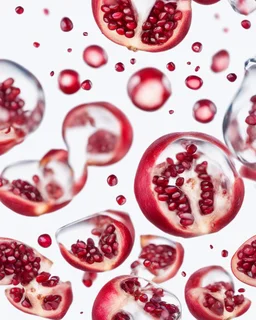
(232, 77)
(69, 81)
(246, 24)
(133, 61)
(204, 111)
(171, 66)
(194, 82)
(45, 240)
(86, 85)
(197, 47)
(112, 180)
(224, 253)
(36, 44)
(121, 200)
(119, 67)
(19, 10)
(66, 24)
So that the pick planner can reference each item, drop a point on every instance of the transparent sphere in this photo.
(243, 6)
(21, 104)
(239, 124)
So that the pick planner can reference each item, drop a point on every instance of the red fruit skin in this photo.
(206, 2)
(7, 144)
(177, 37)
(34, 209)
(240, 275)
(174, 268)
(109, 300)
(126, 134)
(148, 202)
(124, 226)
(64, 288)
(194, 305)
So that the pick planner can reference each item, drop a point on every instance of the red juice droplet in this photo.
(36, 44)
(194, 82)
(112, 180)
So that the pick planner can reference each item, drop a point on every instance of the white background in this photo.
(17, 34)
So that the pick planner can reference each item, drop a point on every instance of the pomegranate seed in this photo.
(45, 240)
(66, 24)
(19, 10)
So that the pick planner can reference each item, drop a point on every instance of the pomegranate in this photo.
(21, 104)
(206, 2)
(161, 257)
(149, 89)
(35, 291)
(183, 189)
(97, 243)
(243, 263)
(33, 188)
(154, 26)
(127, 298)
(210, 294)
(97, 134)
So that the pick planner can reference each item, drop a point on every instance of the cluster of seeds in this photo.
(173, 195)
(18, 262)
(25, 190)
(102, 141)
(157, 257)
(120, 17)
(251, 121)
(108, 246)
(230, 300)
(247, 260)
(161, 23)
(157, 308)
(10, 100)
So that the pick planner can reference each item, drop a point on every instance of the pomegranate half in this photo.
(34, 290)
(243, 263)
(154, 25)
(33, 188)
(160, 257)
(210, 295)
(187, 185)
(206, 2)
(128, 298)
(98, 243)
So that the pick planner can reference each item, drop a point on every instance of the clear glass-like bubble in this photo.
(96, 133)
(35, 187)
(21, 104)
(243, 6)
(239, 124)
(97, 243)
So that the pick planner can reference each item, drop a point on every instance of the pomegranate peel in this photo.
(148, 26)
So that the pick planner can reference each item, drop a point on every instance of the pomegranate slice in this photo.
(143, 25)
(33, 188)
(96, 134)
(35, 291)
(185, 191)
(243, 263)
(128, 298)
(210, 294)
(206, 2)
(21, 104)
(160, 256)
(97, 243)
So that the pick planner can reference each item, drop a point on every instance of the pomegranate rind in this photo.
(193, 297)
(125, 234)
(63, 289)
(172, 270)
(125, 137)
(238, 274)
(45, 263)
(8, 141)
(109, 300)
(149, 204)
(206, 2)
(135, 43)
